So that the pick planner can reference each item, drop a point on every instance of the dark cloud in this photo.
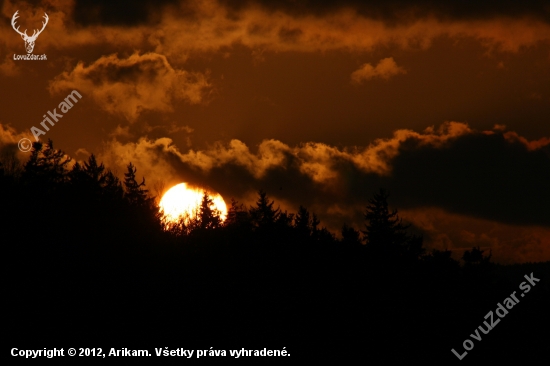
(122, 12)
(392, 10)
(480, 175)
(130, 13)
(290, 34)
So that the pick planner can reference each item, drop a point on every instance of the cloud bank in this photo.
(175, 29)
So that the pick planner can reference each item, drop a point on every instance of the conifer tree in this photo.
(475, 257)
(263, 214)
(209, 217)
(112, 187)
(350, 236)
(91, 177)
(237, 214)
(285, 219)
(46, 166)
(134, 193)
(303, 222)
(385, 233)
(315, 232)
(9, 163)
(93, 171)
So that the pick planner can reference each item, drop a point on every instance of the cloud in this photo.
(120, 13)
(319, 162)
(178, 28)
(453, 167)
(9, 67)
(213, 27)
(147, 11)
(400, 10)
(385, 69)
(378, 156)
(478, 174)
(8, 135)
(513, 136)
(132, 85)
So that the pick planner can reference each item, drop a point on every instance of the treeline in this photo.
(89, 258)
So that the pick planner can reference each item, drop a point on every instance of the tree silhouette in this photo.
(112, 187)
(9, 163)
(475, 257)
(263, 215)
(285, 219)
(303, 222)
(385, 234)
(134, 192)
(46, 166)
(237, 214)
(95, 171)
(209, 217)
(91, 177)
(350, 236)
(315, 226)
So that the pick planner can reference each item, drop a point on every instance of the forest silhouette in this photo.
(91, 263)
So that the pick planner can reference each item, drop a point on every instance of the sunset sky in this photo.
(446, 104)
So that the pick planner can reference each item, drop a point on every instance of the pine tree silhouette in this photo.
(9, 163)
(46, 166)
(91, 177)
(209, 217)
(385, 234)
(263, 214)
(134, 193)
(475, 257)
(113, 187)
(350, 236)
(303, 222)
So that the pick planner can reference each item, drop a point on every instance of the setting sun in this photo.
(181, 200)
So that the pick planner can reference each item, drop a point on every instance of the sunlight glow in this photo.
(181, 200)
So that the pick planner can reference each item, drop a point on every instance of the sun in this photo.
(181, 200)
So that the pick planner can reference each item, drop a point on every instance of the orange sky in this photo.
(320, 103)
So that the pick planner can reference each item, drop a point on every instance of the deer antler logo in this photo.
(29, 41)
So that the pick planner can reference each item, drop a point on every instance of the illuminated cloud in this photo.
(385, 69)
(513, 136)
(378, 156)
(214, 27)
(130, 86)
(319, 162)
